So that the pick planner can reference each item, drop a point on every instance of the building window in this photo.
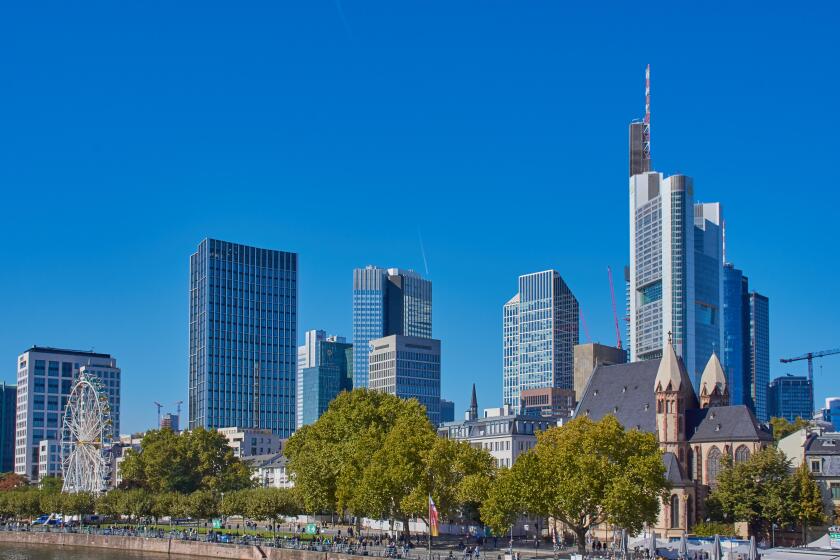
(742, 454)
(675, 511)
(713, 465)
(835, 491)
(816, 465)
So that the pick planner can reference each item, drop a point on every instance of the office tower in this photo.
(331, 373)
(170, 421)
(547, 401)
(447, 411)
(831, 412)
(45, 380)
(540, 330)
(243, 337)
(307, 356)
(408, 367)
(736, 334)
(708, 285)
(49, 458)
(8, 409)
(386, 302)
(789, 397)
(759, 353)
(588, 356)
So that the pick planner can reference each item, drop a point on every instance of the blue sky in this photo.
(346, 130)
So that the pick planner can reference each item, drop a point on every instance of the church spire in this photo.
(473, 411)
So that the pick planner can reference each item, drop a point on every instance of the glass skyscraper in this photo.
(243, 337)
(540, 330)
(708, 285)
(408, 367)
(322, 382)
(789, 397)
(736, 315)
(8, 410)
(387, 302)
(759, 353)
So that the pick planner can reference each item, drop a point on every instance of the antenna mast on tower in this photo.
(646, 134)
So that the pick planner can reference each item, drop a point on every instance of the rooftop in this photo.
(51, 350)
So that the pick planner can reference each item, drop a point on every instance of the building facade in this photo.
(243, 337)
(547, 401)
(708, 285)
(387, 302)
(408, 367)
(736, 334)
(307, 356)
(789, 397)
(831, 412)
(49, 458)
(247, 442)
(588, 356)
(447, 411)
(45, 379)
(270, 470)
(8, 410)
(759, 353)
(695, 432)
(540, 330)
(322, 382)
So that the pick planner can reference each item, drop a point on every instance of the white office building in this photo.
(540, 331)
(49, 458)
(247, 442)
(45, 379)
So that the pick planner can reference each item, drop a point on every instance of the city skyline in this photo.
(131, 170)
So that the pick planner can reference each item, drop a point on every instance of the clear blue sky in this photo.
(344, 129)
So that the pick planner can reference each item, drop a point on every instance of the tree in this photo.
(756, 491)
(50, 484)
(203, 504)
(505, 500)
(585, 474)
(196, 460)
(270, 504)
(12, 481)
(234, 503)
(79, 503)
(783, 427)
(137, 504)
(52, 502)
(806, 501)
(112, 504)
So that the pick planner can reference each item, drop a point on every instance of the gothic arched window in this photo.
(713, 464)
(742, 454)
(675, 512)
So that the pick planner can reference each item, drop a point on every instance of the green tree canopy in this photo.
(196, 460)
(584, 474)
(783, 427)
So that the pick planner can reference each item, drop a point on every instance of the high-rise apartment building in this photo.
(45, 380)
(540, 330)
(759, 353)
(330, 373)
(387, 302)
(789, 397)
(243, 337)
(8, 410)
(408, 367)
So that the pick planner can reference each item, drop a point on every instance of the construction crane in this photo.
(178, 408)
(159, 406)
(615, 313)
(810, 357)
(583, 322)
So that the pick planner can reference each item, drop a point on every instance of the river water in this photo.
(37, 552)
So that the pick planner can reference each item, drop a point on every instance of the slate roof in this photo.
(625, 391)
(269, 460)
(673, 472)
(724, 423)
(825, 444)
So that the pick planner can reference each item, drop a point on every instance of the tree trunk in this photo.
(406, 530)
(580, 533)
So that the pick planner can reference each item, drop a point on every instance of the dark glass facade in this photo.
(759, 354)
(243, 337)
(789, 397)
(735, 334)
(8, 408)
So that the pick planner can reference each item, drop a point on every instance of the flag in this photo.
(433, 518)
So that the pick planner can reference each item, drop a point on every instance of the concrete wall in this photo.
(164, 546)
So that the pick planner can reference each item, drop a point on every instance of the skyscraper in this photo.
(789, 397)
(540, 330)
(325, 377)
(243, 337)
(8, 409)
(408, 367)
(736, 320)
(386, 302)
(675, 276)
(759, 354)
(447, 411)
(307, 356)
(45, 380)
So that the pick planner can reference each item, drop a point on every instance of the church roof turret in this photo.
(669, 376)
(713, 377)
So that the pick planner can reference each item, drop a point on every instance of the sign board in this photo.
(311, 529)
(217, 523)
(834, 537)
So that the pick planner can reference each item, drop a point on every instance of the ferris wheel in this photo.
(86, 437)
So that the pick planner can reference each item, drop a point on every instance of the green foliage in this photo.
(372, 454)
(196, 460)
(783, 427)
(270, 504)
(203, 504)
(51, 484)
(137, 503)
(584, 474)
(806, 501)
(712, 528)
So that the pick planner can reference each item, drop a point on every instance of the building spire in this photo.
(474, 403)
(646, 139)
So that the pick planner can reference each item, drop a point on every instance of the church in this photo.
(695, 432)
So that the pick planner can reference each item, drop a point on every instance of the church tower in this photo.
(673, 395)
(714, 390)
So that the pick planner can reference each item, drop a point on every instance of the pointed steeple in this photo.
(473, 411)
(668, 376)
(713, 387)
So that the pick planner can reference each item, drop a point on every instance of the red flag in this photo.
(433, 518)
